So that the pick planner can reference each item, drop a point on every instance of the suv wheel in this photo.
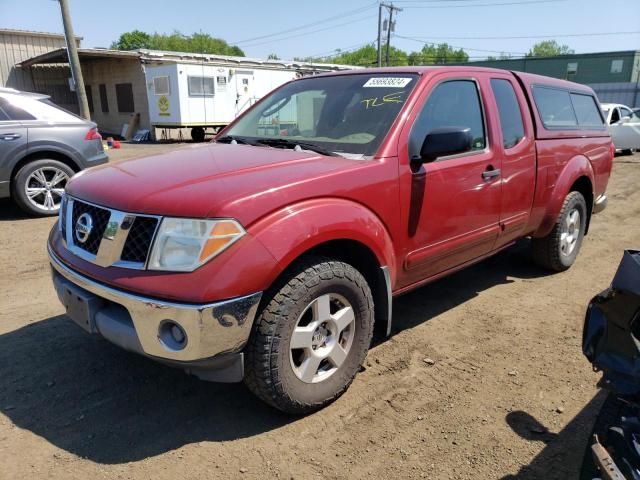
(38, 186)
(558, 250)
(311, 337)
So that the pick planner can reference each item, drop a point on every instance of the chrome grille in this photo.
(116, 238)
(136, 248)
(100, 218)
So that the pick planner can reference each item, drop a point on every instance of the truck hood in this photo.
(210, 180)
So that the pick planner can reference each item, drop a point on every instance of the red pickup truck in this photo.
(269, 254)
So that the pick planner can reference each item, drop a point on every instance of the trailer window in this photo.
(161, 85)
(200, 86)
(554, 107)
(586, 110)
(509, 111)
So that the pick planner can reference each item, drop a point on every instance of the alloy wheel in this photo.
(45, 186)
(322, 338)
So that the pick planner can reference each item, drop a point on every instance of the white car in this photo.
(624, 125)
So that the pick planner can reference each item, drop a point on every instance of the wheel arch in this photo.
(338, 229)
(577, 175)
(43, 155)
(362, 258)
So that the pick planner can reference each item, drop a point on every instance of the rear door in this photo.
(453, 202)
(517, 148)
(13, 143)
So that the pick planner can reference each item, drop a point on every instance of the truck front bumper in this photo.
(204, 339)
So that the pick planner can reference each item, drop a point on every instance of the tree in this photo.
(549, 48)
(438, 54)
(502, 56)
(366, 56)
(273, 56)
(132, 41)
(176, 42)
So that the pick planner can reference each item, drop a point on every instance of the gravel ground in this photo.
(483, 378)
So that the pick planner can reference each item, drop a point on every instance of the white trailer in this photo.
(210, 91)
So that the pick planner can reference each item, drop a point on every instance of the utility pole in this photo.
(379, 35)
(74, 60)
(391, 8)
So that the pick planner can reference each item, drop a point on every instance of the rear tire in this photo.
(197, 134)
(311, 336)
(38, 186)
(558, 250)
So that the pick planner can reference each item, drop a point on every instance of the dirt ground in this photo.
(502, 342)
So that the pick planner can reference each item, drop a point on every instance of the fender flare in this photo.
(579, 166)
(295, 229)
(56, 147)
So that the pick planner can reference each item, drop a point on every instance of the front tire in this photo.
(558, 250)
(311, 337)
(39, 185)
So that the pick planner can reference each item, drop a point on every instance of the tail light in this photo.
(93, 135)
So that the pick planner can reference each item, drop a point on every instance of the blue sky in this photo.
(345, 24)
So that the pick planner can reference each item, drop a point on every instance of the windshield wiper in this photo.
(283, 142)
(235, 138)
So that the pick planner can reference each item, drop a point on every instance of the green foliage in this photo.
(176, 42)
(273, 56)
(367, 56)
(437, 54)
(502, 56)
(132, 41)
(549, 48)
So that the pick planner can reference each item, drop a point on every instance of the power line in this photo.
(481, 58)
(312, 24)
(472, 5)
(426, 42)
(566, 35)
(339, 51)
(350, 22)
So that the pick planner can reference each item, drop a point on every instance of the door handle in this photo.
(490, 173)
(10, 136)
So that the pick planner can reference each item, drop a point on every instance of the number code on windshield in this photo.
(387, 82)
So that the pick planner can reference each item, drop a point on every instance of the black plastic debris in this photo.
(611, 335)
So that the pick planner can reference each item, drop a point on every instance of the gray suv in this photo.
(41, 147)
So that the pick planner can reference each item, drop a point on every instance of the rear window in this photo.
(22, 107)
(555, 108)
(586, 110)
(509, 110)
(13, 111)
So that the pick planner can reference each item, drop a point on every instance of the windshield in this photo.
(344, 114)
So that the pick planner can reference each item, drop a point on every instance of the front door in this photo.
(625, 130)
(13, 145)
(453, 202)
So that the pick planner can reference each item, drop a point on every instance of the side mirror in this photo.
(445, 141)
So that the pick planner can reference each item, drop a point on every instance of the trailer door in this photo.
(245, 96)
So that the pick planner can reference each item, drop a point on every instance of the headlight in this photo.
(184, 244)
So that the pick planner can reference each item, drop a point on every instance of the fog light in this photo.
(172, 335)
